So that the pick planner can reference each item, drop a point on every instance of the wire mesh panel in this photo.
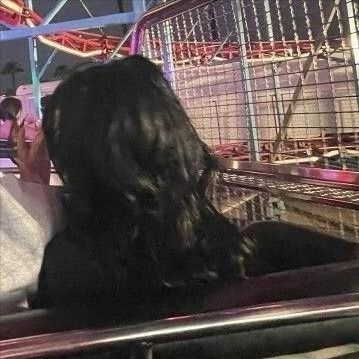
(270, 81)
(244, 206)
(266, 80)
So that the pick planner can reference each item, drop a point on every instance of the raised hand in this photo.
(32, 159)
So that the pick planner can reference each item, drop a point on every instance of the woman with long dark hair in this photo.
(139, 224)
(137, 217)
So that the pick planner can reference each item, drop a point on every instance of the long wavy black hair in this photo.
(135, 170)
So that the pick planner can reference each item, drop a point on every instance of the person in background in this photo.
(10, 109)
(31, 214)
(139, 225)
(11, 120)
(10, 113)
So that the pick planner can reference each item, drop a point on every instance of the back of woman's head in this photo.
(10, 108)
(125, 147)
(120, 126)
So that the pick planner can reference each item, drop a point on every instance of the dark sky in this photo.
(18, 49)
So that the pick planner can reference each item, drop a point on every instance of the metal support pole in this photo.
(120, 44)
(54, 11)
(167, 51)
(138, 13)
(47, 63)
(218, 124)
(276, 81)
(247, 86)
(354, 40)
(32, 43)
(298, 89)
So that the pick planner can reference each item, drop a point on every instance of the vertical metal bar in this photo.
(218, 124)
(53, 12)
(138, 8)
(138, 12)
(304, 89)
(212, 22)
(299, 86)
(326, 105)
(250, 113)
(276, 80)
(351, 84)
(354, 39)
(168, 60)
(32, 43)
(260, 69)
(205, 91)
(47, 63)
(226, 28)
(286, 77)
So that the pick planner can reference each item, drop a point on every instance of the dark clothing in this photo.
(75, 270)
(80, 273)
(279, 246)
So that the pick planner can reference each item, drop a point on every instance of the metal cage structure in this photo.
(245, 198)
(269, 81)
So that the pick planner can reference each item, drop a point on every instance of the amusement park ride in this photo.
(14, 13)
(23, 21)
(188, 51)
(243, 96)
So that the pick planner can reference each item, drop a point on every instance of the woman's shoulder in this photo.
(70, 271)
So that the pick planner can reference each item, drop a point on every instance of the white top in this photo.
(30, 214)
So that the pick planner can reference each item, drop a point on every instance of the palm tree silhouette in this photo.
(12, 68)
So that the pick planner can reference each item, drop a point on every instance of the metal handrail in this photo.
(322, 176)
(158, 13)
(186, 327)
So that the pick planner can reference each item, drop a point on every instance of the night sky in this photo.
(18, 50)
